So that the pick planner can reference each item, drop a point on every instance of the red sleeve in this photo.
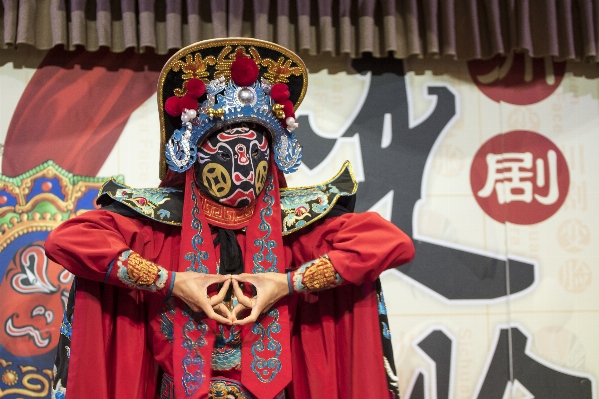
(107, 247)
(359, 245)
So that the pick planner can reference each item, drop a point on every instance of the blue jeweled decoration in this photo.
(193, 379)
(264, 243)
(266, 369)
(198, 256)
(238, 104)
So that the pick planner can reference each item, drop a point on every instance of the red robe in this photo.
(118, 352)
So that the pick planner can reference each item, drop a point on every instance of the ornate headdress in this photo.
(214, 83)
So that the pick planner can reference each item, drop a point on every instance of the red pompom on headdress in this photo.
(195, 88)
(188, 102)
(279, 92)
(244, 71)
(172, 106)
(288, 109)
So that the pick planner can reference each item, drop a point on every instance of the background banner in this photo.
(487, 165)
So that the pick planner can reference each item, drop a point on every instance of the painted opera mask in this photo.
(232, 164)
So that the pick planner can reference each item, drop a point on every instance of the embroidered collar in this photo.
(225, 216)
(300, 206)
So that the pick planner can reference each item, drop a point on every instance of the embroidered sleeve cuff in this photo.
(316, 275)
(132, 271)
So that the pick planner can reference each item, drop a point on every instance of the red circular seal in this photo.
(517, 79)
(519, 177)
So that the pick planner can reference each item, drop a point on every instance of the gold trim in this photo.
(124, 186)
(211, 43)
(224, 216)
(346, 165)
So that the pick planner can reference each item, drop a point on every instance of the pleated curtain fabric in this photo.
(460, 29)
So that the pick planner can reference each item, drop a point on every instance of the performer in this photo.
(224, 283)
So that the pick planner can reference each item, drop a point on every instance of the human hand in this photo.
(270, 287)
(192, 288)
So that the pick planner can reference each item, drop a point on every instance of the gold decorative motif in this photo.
(224, 216)
(278, 110)
(261, 175)
(211, 112)
(216, 179)
(10, 377)
(25, 369)
(34, 386)
(43, 211)
(319, 275)
(193, 67)
(281, 70)
(224, 389)
(140, 270)
(225, 60)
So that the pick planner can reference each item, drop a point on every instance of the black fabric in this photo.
(231, 258)
(345, 204)
(121, 209)
(390, 369)
(61, 361)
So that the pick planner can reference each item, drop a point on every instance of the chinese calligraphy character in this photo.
(506, 174)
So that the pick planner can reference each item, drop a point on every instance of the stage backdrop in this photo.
(487, 165)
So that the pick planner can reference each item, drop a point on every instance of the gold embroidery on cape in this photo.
(140, 270)
(319, 275)
(193, 67)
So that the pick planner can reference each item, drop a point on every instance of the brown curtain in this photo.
(461, 29)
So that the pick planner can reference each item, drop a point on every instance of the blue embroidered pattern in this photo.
(264, 243)
(386, 331)
(196, 257)
(145, 201)
(59, 392)
(66, 328)
(381, 304)
(167, 317)
(191, 379)
(266, 369)
(226, 354)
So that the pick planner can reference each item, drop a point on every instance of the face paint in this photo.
(233, 164)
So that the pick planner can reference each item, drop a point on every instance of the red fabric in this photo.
(267, 212)
(336, 342)
(75, 107)
(328, 335)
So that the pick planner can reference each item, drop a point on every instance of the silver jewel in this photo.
(246, 95)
